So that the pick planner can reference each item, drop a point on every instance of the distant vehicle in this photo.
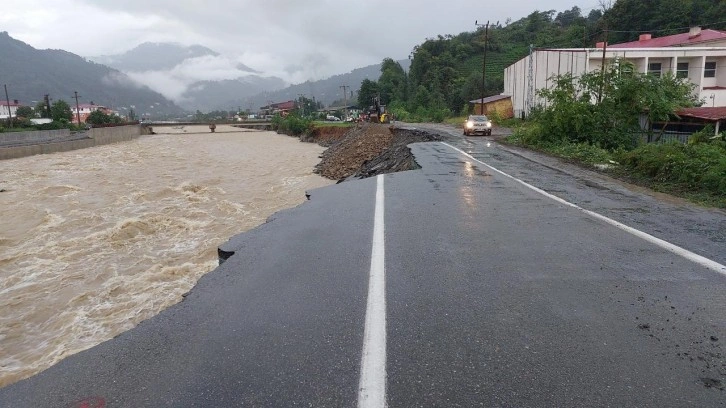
(477, 124)
(378, 113)
(332, 118)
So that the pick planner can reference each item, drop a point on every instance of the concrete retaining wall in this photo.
(96, 137)
(36, 136)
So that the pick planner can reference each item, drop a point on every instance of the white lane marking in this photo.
(372, 386)
(701, 260)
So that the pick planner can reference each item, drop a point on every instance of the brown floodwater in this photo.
(94, 241)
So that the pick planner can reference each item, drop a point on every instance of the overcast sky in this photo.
(293, 39)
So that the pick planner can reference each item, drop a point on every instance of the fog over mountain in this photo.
(195, 77)
(31, 73)
(326, 90)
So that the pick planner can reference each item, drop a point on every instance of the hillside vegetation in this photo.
(446, 71)
(30, 74)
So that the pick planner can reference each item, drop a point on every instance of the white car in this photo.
(332, 118)
(477, 124)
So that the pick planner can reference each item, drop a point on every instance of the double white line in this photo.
(372, 386)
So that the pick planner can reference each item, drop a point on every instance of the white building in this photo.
(699, 55)
(7, 111)
(85, 109)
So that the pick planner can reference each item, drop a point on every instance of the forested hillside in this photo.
(446, 72)
(30, 74)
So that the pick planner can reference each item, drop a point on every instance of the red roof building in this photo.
(85, 110)
(282, 108)
(8, 110)
(697, 56)
(696, 37)
(707, 113)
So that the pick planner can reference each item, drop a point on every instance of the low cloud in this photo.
(175, 82)
(119, 79)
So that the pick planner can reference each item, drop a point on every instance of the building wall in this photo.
(5, 112)
(550, 63)
(546, 64)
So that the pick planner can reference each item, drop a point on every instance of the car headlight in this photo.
(489, 124)
(469, 124)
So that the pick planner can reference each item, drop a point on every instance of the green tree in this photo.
(604, 109)
(368, 91)
(25, 112)
(42, 109)
(60, 110)
(392, 83)
(99, 118)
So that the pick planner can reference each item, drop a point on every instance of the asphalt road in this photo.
(495, 295)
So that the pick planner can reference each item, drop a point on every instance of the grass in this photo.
(696, 172)
(320, 123)
(455, 121)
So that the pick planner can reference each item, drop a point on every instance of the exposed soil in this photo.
(326, 135)
(368, 150)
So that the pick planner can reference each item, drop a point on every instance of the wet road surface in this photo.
(495, 295)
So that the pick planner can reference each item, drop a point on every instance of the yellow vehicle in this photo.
(377, 113)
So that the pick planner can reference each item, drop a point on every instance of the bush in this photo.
(582, 152)
(292, 124)
(702, 136)
(695, 167)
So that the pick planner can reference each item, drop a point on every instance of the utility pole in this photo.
(602, 69)
(345, 99)
(484, 64)
(46, 98)
(78, 109)
(10, 112)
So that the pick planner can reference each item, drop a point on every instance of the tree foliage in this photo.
(100, 118)
(368, 91)
(25, 112)
(60, 111)
(604, 108)
(446, 71)
(628, 18)
(42, 109)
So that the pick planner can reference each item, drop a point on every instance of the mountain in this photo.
(155, 57)
(224, 95)
(30, 73)
(195, 77)
(326, 91)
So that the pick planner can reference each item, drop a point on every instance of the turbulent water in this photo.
(94, 241)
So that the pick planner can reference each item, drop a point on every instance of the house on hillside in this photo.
(85, 110)
(698, 55)
(501, 104)
(8, 110)
(281, 108)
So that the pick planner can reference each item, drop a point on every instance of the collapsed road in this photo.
(490, 276)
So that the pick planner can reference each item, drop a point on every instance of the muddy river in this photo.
(94, 241)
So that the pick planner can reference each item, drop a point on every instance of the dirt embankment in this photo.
(326, 135)
(367, 151)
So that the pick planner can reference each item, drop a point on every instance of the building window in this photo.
(654, 68)
(710, 70)
(682, 70)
